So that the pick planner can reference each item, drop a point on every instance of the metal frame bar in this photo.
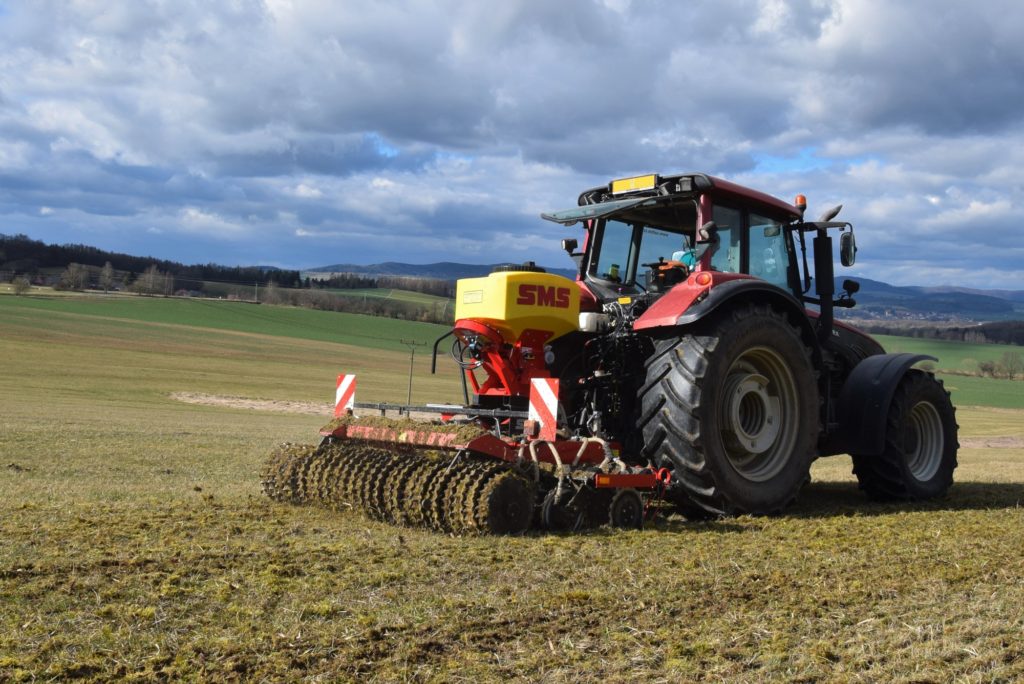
(449, 409)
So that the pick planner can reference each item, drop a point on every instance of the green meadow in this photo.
(397, 295)
(957, 356)
(136, 543)
(231, 316)
(961, 358)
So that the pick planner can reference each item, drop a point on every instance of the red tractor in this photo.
(695, 359)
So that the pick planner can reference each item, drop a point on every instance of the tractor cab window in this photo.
(768, 256)
(727, 257)
(616, 253)
(660, 244)
(638, 236)
(751, 243)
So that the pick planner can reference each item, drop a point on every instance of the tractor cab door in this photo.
(752, 243)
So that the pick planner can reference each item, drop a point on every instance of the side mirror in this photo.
(847, 249)
(707, 233)
(570, 245)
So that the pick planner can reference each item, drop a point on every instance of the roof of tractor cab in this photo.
(691, 184)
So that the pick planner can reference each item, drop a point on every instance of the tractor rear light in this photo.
(645, 480)
(703, 279)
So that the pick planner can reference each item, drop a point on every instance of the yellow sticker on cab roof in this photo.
(635, 183)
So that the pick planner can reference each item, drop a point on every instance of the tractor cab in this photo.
(649, 233)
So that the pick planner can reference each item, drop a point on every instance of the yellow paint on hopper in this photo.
(514, 301)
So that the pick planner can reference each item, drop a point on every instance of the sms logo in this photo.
(538, 295)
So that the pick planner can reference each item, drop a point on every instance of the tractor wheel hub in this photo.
(752, 415)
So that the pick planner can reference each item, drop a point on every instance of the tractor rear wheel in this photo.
(733, 409)
(920, 444)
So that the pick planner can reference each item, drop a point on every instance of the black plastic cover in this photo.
(865, 398)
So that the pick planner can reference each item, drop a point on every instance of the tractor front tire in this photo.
(732, 408)
(920, 444)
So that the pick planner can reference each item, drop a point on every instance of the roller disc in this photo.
(507, 504)
(459, 495)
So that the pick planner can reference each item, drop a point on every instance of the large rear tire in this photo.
(920, 444)
(733, 410)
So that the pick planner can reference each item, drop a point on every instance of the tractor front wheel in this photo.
(733, 409)
(920, 444)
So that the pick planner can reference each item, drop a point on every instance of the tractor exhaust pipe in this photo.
(824, 274)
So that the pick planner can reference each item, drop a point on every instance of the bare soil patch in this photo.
(997, 442)
(312, 408)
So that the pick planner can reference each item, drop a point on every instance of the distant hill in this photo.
(1010, 295)
(881, 300)
(442, 270)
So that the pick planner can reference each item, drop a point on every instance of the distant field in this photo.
(386, 334)
(35, 290)
(355, 329)
(397, 295)
(962, 356)
(951, 355)
(972, 391)
(136, 543)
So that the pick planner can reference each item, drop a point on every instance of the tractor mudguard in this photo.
(688, 303)
(865, 398)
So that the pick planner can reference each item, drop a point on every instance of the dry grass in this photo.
(136, 545)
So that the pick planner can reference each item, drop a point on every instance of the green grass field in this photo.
(243, 317)
(136, 543)
(397, 295)
(960, 356)
(964, 357)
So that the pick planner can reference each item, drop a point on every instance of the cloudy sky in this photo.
(300, 133)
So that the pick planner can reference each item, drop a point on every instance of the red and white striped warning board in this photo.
(345, 395)
(544, 406)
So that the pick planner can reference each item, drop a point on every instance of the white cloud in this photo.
(307, 191)
(449, 127)
(974, 213)
(196, 220)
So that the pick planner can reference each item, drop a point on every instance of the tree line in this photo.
(313, 298)
(354, 281)
(996, 332)
(153, 281)
(25, 257)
